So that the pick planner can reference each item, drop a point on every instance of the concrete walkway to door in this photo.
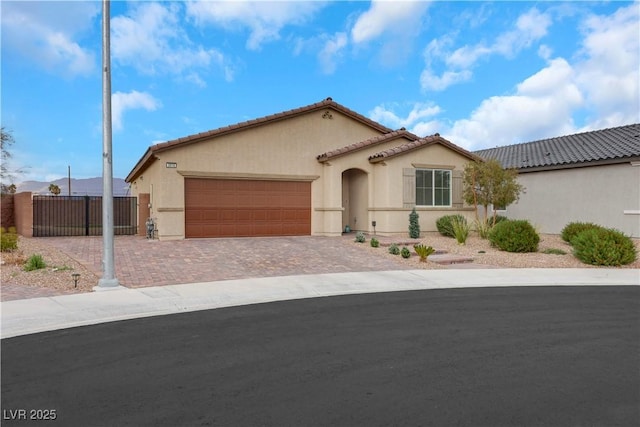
(141, 262)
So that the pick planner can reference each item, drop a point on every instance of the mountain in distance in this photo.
(79, 187)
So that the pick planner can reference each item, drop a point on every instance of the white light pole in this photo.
(108, 280)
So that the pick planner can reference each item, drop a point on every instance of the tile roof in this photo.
(567, 151)
(329, 102)
(149, 157)
(400, 133)
(421, 142)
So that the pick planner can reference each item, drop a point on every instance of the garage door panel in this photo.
(228, 208)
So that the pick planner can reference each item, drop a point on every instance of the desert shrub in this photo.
(604, 246)
(35, 262)
(483, 227)
(394, 249)
(414, 224)
(572, 229)
(8, 240)
(405, 252)
(514, 236)
(444, 226)
(360, 237)
(460, 230)
(374, 242)
(499, 218)
(423, 251)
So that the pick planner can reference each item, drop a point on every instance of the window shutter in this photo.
(408, 187)
(456, 190)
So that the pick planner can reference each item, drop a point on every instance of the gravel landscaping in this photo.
(57, 274)
(482, 252)
(61, 266)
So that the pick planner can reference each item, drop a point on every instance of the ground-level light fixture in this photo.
(373, 224)
(76, 277)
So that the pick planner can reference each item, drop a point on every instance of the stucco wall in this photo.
(287, 150)
(599, 194)
(280, 150)
(385, 186)
(23, 205)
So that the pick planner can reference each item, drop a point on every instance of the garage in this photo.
(246, 208)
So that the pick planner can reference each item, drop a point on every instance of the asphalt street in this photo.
(512, 356)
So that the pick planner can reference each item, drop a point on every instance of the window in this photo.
(433, 187)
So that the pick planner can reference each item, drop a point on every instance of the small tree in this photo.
(488, 183)
(54, 189)
(6, 173)
(414, 224)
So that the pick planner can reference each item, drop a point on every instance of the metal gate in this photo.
(81, 216)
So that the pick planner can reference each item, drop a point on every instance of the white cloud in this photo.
(608, 69)
(414, 120)
(545, 52)
(387, 16)
(428, 80)
(543, 105)
(122, 102)
(47, 34)
(394, 25)
(529, 28)
(264, 20)
(331, 52)
(151, 40)
(598, 89)
(466, 56)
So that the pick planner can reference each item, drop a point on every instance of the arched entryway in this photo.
(355, 199)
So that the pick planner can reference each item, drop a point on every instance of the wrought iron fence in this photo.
(81, 216)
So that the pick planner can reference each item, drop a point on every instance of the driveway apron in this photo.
(140, 262)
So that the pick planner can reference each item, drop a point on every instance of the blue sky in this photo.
(482, 74)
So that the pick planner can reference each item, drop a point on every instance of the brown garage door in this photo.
(242, 208)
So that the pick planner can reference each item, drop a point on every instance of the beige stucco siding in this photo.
(278, 150)
(599, 194)
(346, 189)
(388, 211)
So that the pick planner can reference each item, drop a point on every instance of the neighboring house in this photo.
(313, 170)
(589, 177)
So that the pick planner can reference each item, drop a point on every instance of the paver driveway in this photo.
(141, 262)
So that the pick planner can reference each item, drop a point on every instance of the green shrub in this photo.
(423, 251)
(35, 262)
(8, 240)
(514, 236)
(394, 249)
(604, 246)
(405, 252)
(360, 237)
(414, 224)
(572, 229)
(460, 230)
(483, 227)
(374, 242)
(444, 226)
(499, 218)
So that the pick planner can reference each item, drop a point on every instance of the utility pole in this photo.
(69, 179)
(108, 280)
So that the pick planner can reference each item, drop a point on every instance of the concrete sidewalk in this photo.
(21, 317)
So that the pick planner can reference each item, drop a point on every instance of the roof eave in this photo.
(147, 159)
(575, 165)
(322, 158)
(376, 158)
